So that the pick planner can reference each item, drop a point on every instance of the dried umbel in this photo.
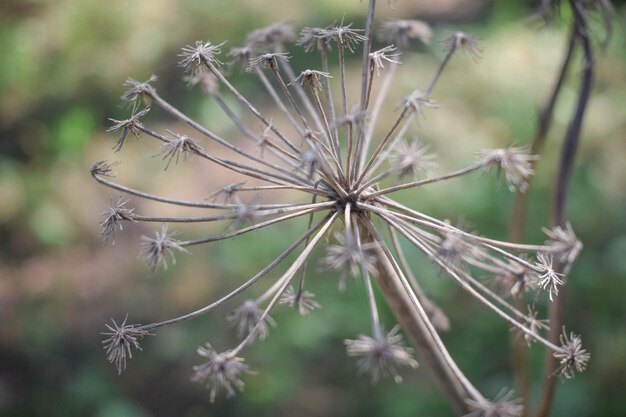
(338, 158)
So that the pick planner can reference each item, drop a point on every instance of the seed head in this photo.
(411, 159)
(157, 249)
(416, 102)
(132, 124)
(313, 39)
(103, 168)
(349, 257)
(548, 279)
(378, 58)
(221, 371)
(246, 317)
(207, 82)
(382, 354)
(311, 78)
(138, 89)
(516, 164)
(466, 42)
(563, 242)
(303, 301)
(121, 340)
(195, 59)
(114, 215)
(268, 60)
(270, 38)
(573, 357)
(346, 36)
(177, 146)
(402, 32)
(504, 405)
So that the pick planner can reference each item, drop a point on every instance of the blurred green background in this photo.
(61, 69)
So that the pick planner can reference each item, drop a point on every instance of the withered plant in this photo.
(344, 164)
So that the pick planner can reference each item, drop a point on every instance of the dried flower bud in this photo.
(516, 164)
(572, 357)
(401, 32)
(240, 56)
(132, 124)
(158, 248)
(121, 341)
(303, 301)
(222, 371)
(504, 405)
(114, 215)
(381, 354)
(247, 316)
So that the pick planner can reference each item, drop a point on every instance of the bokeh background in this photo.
(61, 69)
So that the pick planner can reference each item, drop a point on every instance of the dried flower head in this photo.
(301, 300)
(563, 243)
(345, 36)
(157, 249)
(197, 58)
(382, 354)
(179, 145)
(402, 32)
(207, 82)
(335, 160)
(348, 256)
(504, 405)
(138, 89)
(548, 279)
(103, 168)
(247, 316)
(270, 38)
(221, 371)
(311, 78)
(468, 43)
(132, 125)
(572, 357)
(386, 54)
(417, 101)
(313, 39)
(114, 215)
(121, 341)
(268, 60)
(516, 164)
(411, 159)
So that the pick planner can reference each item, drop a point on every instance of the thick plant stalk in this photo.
(413, 324)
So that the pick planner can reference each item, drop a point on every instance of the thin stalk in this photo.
(285, 280)
(242, 287)
(249, 228)
(568, 154)
(250, 107)
(412, 316)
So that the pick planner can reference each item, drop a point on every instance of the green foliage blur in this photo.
(61, 69)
